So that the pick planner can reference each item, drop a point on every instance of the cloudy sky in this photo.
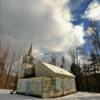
(50, 25)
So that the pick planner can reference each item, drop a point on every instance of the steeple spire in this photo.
(30, 51)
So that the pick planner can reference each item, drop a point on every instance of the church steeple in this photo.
(30, 51)
(28, 58)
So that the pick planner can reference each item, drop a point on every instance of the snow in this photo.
(5, 95)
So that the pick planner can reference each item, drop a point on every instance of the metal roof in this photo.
(54, 69)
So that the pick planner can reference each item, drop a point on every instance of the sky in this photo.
(51, 25)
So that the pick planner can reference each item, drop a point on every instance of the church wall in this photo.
(46, 86)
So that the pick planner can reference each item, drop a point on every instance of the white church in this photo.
(43, 79)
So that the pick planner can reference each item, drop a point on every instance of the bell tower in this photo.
(27, 66)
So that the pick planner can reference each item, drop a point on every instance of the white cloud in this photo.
(76, 38)
(93, 11)
(46, 23)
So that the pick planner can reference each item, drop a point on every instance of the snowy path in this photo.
(4, 95)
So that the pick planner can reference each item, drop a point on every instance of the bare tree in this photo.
(95, 42)
(53, 60)
(9, 70)
(63, 62)
(3, 59)
(73, 49)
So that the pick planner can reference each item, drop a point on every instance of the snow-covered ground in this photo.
(4, 95)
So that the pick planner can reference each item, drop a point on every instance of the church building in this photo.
(43, 79)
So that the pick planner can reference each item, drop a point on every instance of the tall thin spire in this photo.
(30, 51)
